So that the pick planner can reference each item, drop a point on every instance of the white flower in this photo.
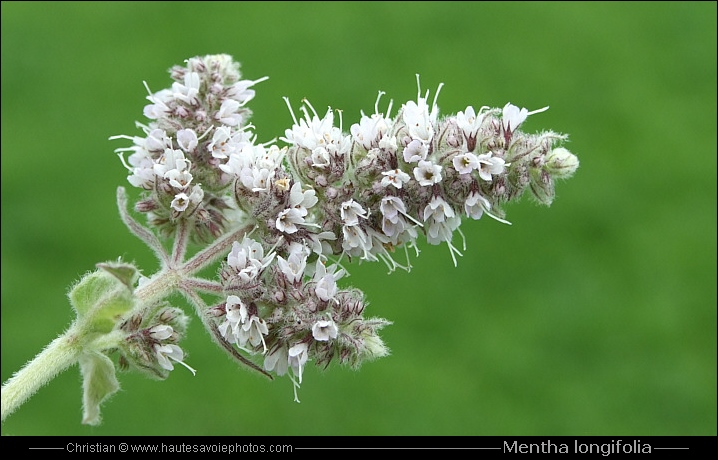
(438, 210)
(161, 332)
(164, 352)
(391, 207)
(157, 141)
(227, 113)
(323, 330)
(300, 200)
(288, 220)
(415, 151)
(355, 237)
(311, 132)
(475, 205)
(256, 179)
(489, 165)
(158, 108)
(441, 222)
(317, 242)
(512, 117)
(268, 158)
(395, 177)
(222, 145)
(417, 117)
(418, 120)
(326, 278)
(438, 232)
(173, 165)
(236, 314)
(320, 158)
(142, 169)
(297, 357)
(293, 266)
(427, 173)
(469, 122)
(178, 179)
(240, 326)
(247, 259)
(171, 160)
(243, 158)
(180, 202)
(389, 144)
(189, 91)
(351, 211)
(187, 139)
(197, 194)
(392, 228)
(241, 92)
(370, 130)
(142, 157)
(277, 361)
(465, 163)
(253, 331)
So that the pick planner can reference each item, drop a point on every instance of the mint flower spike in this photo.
(281, 219)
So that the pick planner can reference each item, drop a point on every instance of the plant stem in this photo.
(60, 354)
(65, 350)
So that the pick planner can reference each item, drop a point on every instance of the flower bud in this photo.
(542, 186)
(561, 163)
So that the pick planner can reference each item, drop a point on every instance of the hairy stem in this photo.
(65, 350)
(59, 355)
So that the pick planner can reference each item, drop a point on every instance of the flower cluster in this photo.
(290, 309)
(325, 196)
(195, 126)
(150, 340)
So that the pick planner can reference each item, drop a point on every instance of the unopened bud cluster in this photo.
(327, 195)
(151, 338)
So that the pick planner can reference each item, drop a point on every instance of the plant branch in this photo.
(149, 238)
(201, 309)
(59, 355)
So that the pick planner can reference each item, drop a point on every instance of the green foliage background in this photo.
(596, 316)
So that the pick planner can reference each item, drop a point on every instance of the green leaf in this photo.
(128, 274)
(98, 384)
(100, 299)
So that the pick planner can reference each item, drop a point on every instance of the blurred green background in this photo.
(596, 316)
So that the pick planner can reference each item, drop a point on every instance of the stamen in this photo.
(463, 237)
(149, 92)
(376, 104)
(436, 96)
(497, 218)
(306, 101)
(412, 219)
(452, 251)
(122, 159)
(340, 111)
(194, 372)
(291, 111)
(121, 136)
(537, 111)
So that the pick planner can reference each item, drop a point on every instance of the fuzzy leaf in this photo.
(98, 384)
(128, 274)
(101, 298)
